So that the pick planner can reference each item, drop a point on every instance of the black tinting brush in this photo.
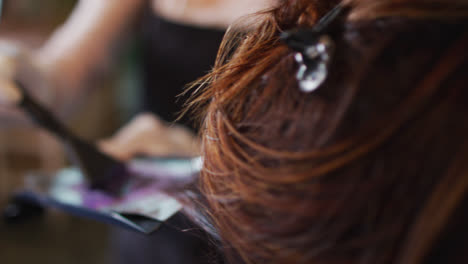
(103, 171)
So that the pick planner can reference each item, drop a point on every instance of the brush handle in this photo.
(42, 116)
(103, 171)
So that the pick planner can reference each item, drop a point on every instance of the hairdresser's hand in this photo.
(16, 63)
(9, 92)
(147, 135)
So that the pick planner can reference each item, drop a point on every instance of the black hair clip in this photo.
(314, 51)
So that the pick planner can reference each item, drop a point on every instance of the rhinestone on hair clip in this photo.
(314, 51)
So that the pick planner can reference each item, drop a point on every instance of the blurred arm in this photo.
(83, 41)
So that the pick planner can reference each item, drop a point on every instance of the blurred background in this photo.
(56, 237)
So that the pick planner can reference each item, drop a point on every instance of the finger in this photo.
(8, 62)
(115, 150)
(10, 95)
(138, 127)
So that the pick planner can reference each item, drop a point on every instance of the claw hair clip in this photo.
(314, 51)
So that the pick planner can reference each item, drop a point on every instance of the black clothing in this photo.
(174, 56)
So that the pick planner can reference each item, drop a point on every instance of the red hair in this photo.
(371, 168)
